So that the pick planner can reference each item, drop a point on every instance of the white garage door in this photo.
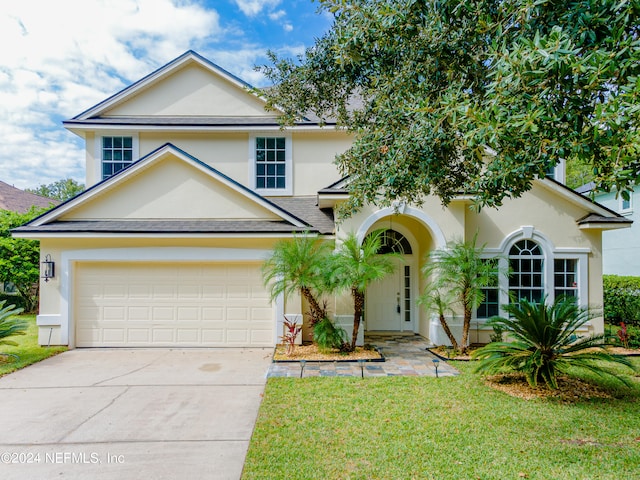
(171, 304)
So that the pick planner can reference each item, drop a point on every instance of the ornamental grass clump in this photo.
(542, 343)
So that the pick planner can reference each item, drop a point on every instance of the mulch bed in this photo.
(569, 389)
(313, 354)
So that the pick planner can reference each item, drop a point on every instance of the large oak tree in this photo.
(476, 97)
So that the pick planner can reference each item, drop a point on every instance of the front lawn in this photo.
(28, 351)
(439, 428)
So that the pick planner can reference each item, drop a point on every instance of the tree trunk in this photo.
(358, 308)
(466, 323)
(447, 330)
(317, 312)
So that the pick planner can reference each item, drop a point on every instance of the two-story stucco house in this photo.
(191, 182)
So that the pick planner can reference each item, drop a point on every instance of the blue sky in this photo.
(61, 57)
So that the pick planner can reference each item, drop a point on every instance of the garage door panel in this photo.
(162, 314)
(138, 335)
(119, 304)
(139, 314)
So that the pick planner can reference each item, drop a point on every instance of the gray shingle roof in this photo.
(162, 226)
(595, 218)
(306, 208)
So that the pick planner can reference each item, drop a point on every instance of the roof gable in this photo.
(169, 184)
(190, 85)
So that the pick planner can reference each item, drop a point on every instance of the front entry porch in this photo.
(405, 355)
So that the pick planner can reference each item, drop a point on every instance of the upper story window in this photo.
(625, 205)
(557, 171)
(270, 164)
(116, 153)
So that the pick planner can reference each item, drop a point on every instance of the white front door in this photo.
(389, 302)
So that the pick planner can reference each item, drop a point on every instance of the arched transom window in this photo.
(394, 242)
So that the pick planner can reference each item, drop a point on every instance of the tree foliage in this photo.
(477, 97)
(19, 257)
(61, 190)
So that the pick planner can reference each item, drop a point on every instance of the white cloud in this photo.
(251, 8)
(277, 15)
(60, 58)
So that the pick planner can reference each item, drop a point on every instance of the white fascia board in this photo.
(576, 198)
(94, 235)
(160, 73)
(146, 162)
(329, 200)
(604, 226)
(94, 127)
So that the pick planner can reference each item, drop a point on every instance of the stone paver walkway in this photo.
(404, 355)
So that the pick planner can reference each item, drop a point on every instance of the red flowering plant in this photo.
(292, 329)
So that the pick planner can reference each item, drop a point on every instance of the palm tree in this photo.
(544, 343)
(355, 267)
(10, 326)
(435, 298)
(299, 265)
(461, 269)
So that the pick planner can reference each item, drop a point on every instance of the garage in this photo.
(144, 304)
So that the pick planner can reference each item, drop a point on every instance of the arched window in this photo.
(526, 271)
(394, 242)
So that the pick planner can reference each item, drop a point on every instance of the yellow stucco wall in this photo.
(171, 189)
(192, 90)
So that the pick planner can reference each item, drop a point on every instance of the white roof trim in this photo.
(188, 57)
(576, 198)
(147, 162)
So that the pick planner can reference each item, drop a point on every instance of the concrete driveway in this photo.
(132, 413)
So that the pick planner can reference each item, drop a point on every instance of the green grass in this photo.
(439, 428)
(28, 351)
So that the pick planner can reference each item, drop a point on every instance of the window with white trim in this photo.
(270, 164)
(526, 271)
(490, 305)
(117, 153)
(625, 205)
(565, 277)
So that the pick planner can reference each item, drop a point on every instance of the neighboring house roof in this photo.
(16, 200)
(586, 188)
(290, 215)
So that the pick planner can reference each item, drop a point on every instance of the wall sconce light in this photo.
(48, 268)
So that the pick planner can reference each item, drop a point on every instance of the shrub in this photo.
(13, 299)
(329, 336)
(621, 299)
(544, 343)
(9, 325)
